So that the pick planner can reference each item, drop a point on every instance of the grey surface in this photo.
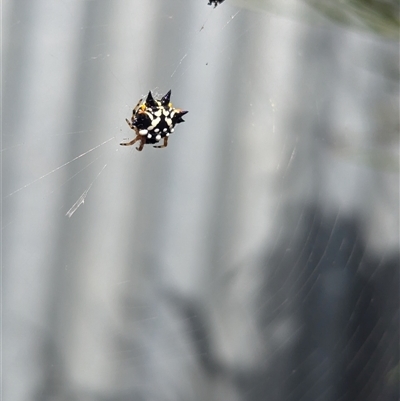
(255, 258)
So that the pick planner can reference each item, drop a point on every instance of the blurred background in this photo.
(256, 257)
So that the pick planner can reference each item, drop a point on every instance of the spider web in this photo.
(254, 258)
(117, 82)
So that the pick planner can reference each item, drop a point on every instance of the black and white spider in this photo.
(215, 2)
(153, 120)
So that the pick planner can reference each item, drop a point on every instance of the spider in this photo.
(215, 2)
(153, 120)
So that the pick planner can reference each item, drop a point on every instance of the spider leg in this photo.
(129, 123)
(142, 142)
(136, 108)
(164, 145)
(133, 141)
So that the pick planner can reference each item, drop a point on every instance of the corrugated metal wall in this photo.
(255, 258)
